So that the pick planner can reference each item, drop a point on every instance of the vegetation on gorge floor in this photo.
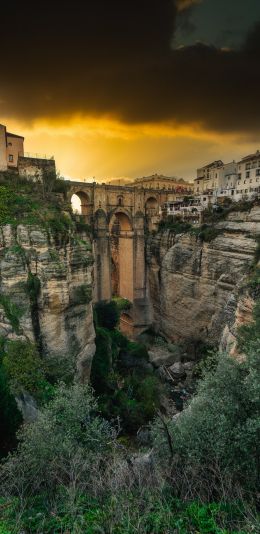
(71, 474)
(121, 375)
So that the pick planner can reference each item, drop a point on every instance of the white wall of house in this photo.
(248, 182)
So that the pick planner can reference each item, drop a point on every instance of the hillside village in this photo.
(215, 184)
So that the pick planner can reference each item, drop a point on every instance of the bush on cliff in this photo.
(10, 418)
(214, 444)
(65, 447)
(175, 224)
(107, 314)
(120, 374)
(25, 369)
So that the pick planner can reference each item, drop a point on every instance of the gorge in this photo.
(141, 307)
(189, 287)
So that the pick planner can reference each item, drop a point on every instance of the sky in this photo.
(124, 89)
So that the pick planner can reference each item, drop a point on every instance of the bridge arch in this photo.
(81, 203)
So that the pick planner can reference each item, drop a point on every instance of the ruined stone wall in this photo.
(34, 167)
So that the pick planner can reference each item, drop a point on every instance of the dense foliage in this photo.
(25, 201)
(107, 314)
(121, 375)
(10, 418)
(215, 441)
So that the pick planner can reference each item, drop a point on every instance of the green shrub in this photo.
(33, 287)
(122, 304)
(63, 447)
(216, 438)
(24, 367)
(12, 312)
(82, 294)
(107, 314)
(175, 224)
(11, 418)
(248, 334)
(137, 351)
(208, 233)
(254, 283)
(59, 223)
(125, 512)
(81, 226)
(102, 361)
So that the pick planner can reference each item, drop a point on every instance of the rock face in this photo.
(195, 285)
(59, 315)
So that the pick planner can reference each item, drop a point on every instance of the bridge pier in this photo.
(118, 216)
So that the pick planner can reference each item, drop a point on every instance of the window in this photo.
(239, 175)
(9, 144)
(257, 172)
(238, 183)
(247, 174)
(248, 166)
(250, 181)
(10, 158)
(244, 181)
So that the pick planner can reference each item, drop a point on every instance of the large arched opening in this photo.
(81, 204)
(122, 255)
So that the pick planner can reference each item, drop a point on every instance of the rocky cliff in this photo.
(196, 287)
(46, 292)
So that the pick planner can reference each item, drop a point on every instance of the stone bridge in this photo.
(120, 216)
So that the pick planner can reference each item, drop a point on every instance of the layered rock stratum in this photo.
(197, 288)
(58, 317)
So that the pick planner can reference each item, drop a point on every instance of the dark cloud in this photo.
(182, 5)
(116, 58)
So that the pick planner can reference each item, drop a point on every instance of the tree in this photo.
(64, 447)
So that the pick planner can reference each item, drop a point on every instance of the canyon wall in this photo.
(46, 292)
(197, 288)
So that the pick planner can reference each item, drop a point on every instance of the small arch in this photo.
(120, 200)
(80, 202)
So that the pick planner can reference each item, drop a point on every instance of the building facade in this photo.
(236, 181)
(158, 181)
(12, 156)
(216, 181)
(248, 178)
(11, 148)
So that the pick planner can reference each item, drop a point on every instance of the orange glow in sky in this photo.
(104, 149)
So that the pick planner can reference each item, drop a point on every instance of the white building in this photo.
(248, 180)
(215, 181)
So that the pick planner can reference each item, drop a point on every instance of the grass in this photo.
(127, 513)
